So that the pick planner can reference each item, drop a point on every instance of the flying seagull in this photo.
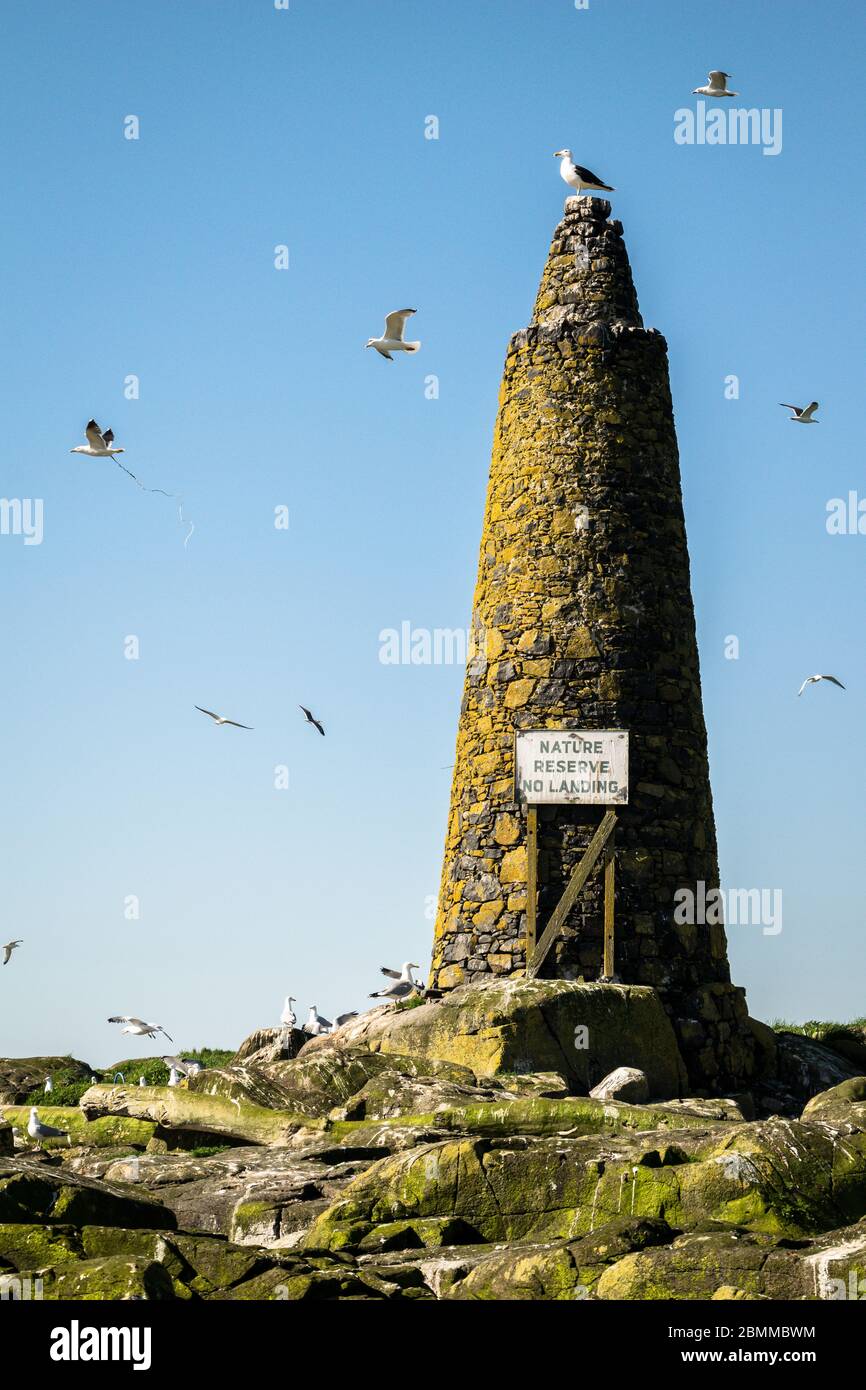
(310, 720)
(392, 339)
(288, 1018)
(38, 1131)
(315, 1024)
(100, 445)
(811, 680)
(404, 984)
(717, 85)
(9, 948)
(802, 416)
(138, 1027)
(182, 1066)
(577, 177)
(221, 719)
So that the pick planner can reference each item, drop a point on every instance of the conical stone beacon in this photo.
(583, 618)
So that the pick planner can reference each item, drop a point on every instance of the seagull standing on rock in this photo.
(404, 984)
(315, 1024)
(287, 1017)
(717, 85)
(392, 339)
(9, 948)
(38, 1131)
(577, 177)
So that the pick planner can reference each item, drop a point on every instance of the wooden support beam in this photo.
(531, 879)
(609, 890)
(574, 886)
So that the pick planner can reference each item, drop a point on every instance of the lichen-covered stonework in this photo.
(583, 618)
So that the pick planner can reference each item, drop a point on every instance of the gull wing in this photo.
(159, 1029)
(236, 725)
(123, 1018)
(834, 680)
(718, 78)
(807, 681)
(207, 711)
(109, 436)
(796, 409)
(395, 324)
(392, 974)
(808, 411)
(587, 175)
(95, 437)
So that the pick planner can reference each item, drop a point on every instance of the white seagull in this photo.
(308, 714)
(315, 1024)
(288, 1018)
(392, 339)
(9, 948)
(577, 177)
(717, 85)
(182, 1066)
(38, 1131)
(802, 416)
(221, 719)
(810, 680)
(138, 1027)
(404, 984)
(100, 445)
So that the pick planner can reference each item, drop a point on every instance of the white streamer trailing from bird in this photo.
(100, 444)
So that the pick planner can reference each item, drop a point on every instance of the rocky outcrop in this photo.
(21, 1075)
(384, 1171)
(582, 1031)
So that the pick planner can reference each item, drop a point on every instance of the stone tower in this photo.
(584, 619)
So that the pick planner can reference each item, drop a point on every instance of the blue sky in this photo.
(155, 257)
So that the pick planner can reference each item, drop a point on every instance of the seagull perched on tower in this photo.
(717, 85)
(577, 177)
(802, 415)
(392, 339)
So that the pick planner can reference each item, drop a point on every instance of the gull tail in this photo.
(412, 347)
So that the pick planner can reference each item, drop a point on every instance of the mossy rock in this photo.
(178, 1108)
(97, 1133)
(20, 1076)
(566, 1271)
(26, 1245)
(110, 1279)
(32, 1192)
(776, 1177)
(520, 1025)
(846, 1102)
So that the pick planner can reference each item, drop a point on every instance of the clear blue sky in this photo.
(155, 257)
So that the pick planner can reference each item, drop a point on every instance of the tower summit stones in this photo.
(584, 604)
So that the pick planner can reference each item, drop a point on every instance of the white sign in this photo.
(585, 767)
